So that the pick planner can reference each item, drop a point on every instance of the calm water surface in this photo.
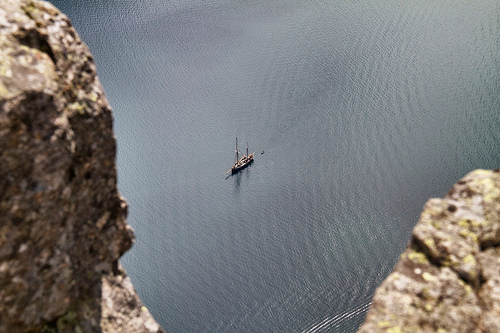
(365, 109)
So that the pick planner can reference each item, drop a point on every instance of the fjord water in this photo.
(364, 110)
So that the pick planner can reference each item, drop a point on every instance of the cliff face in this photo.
(448, 279)
(62, 220)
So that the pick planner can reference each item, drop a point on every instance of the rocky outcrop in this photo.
(62, 220)
(448, 279)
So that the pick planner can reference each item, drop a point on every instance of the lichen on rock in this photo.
(62, 219)
(448, 279)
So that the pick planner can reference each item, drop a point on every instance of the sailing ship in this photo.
(241, 163)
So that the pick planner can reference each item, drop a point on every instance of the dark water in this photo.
(365, 109)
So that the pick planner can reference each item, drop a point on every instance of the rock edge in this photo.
(62, 220)
(448, 278)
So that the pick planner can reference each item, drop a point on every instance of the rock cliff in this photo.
(62, 220)
(448, 279)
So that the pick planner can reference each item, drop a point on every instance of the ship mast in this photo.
(237, 151)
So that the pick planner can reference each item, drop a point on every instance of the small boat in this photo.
(240, 163)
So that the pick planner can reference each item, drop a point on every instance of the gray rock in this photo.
(448, 279)
(62, 219)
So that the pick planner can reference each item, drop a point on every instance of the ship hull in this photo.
(236, 169)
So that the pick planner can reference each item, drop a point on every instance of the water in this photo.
(364, 109)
